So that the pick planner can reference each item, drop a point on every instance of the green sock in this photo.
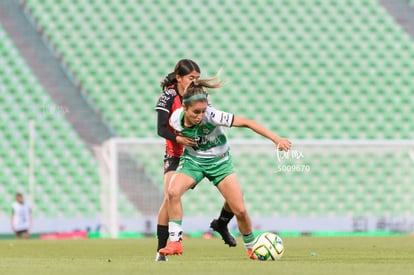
(248, 240)
(179, 222)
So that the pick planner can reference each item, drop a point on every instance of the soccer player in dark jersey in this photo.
(173, 86)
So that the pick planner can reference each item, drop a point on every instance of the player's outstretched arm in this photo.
(281, 143)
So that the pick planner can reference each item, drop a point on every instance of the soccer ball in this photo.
(268, 246)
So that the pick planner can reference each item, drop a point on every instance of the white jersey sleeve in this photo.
(175, 120)
(219, 118)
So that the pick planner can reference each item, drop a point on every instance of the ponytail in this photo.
(168, 80)
(195, 90)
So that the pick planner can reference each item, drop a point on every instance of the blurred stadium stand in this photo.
(343, 58)
(340, 70)
(67, 173)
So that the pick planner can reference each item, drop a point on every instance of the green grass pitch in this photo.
(304, 255)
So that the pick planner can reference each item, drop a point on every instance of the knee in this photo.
(173, 195)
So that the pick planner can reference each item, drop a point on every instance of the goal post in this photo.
(31, 157)
(129, 191)
(333, 182)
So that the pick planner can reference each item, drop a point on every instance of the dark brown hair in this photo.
(182, 68)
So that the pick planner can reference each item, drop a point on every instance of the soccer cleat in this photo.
(251, 254)
(224, 232)
(160, 258)
(172, 248)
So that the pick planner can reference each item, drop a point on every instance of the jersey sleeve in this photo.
(162, 126)
(175, 120)
(166, 100)
(218, 117)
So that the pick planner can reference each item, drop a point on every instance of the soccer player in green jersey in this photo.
(173, 86)
(209, 158)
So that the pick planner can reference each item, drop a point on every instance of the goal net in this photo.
(317, 185)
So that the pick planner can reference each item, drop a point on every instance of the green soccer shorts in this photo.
(214, 169)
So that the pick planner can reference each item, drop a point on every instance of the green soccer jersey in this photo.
(209, 134)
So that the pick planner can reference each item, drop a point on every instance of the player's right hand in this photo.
(186, 141)
(283, 144)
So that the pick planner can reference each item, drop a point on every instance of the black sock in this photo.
(162, 234)
(225, 216)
